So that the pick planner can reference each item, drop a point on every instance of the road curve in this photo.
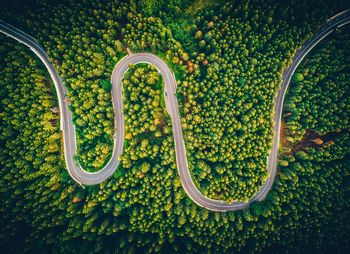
(66, 124)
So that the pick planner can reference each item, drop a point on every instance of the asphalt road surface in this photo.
(66, 124)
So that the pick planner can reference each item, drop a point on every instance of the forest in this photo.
(228, 58)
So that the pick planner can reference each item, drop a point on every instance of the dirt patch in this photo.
(313, 139)
(310, 139)
(284, 142)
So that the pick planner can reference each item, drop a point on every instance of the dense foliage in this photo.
(228, 60)
(319, 98)
(316, 140)
(30, 141)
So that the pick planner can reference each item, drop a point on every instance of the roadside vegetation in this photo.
(228, 60)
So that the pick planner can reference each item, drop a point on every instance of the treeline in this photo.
(316, 142)
(229, 91)
(32, 171)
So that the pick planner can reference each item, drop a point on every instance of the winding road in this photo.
(66, 124)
